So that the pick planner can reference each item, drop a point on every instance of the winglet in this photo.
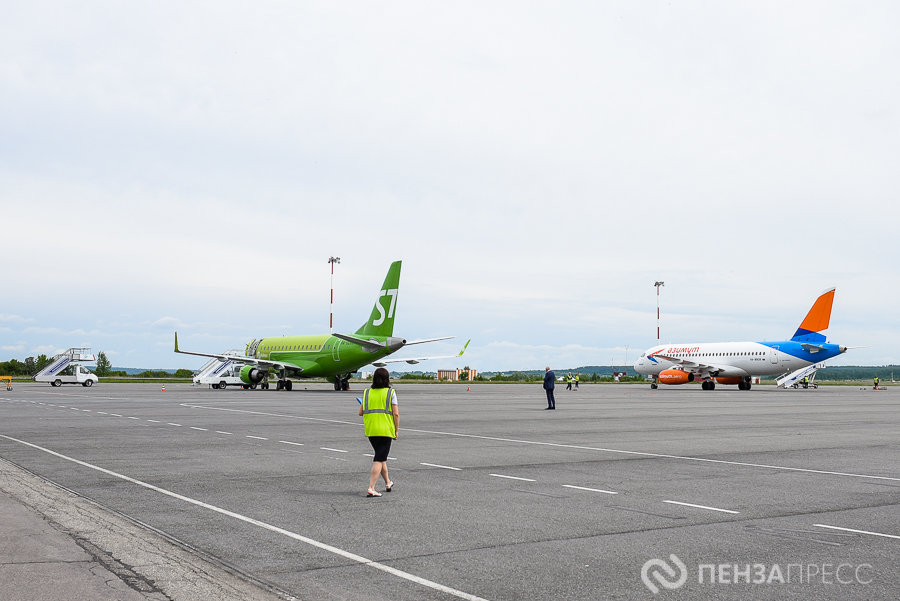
(176, 343)
(464, 348)
(816, 320)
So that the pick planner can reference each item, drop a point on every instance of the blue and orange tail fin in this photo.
(816, 320)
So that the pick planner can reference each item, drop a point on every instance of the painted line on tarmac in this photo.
(513, 478)
(567, 446)
(335, 450)
(371, 455)
(701, 506)
(155, 421)
(201, 429)
(220, 432)
(325, 547)
(171, 424)
(255, 437)
(444, 467)
(298, 444)
(608, 492)
(857, 531)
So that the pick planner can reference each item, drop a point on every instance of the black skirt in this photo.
(382, 446)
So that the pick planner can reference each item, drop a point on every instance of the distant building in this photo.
(453, 374)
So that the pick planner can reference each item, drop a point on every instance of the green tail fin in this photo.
(381, 321)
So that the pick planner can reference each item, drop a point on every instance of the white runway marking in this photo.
(132, 418)
(220, 432)
(609, 492)
(371, 455)
(335, 450)
(100, 412)
(196, 428)
(513, 478)
(701, 507)
(86, 410)
(155, 421)
(171, 424)
(325, 547)
(444, 467)
(256, 437)
(857, 531)
(115, 415)
(566, 446)
(297, 444)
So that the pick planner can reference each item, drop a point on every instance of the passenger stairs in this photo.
(61, 361)
(796, 377)
(214, 366)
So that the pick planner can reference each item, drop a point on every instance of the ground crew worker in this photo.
(382, 422)
(805, 381)
(569, 381)
(876, 382)
(577, 377)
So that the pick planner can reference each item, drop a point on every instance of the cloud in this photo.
(6, 318)
(46, 350)
(18, 348)
(169, 323)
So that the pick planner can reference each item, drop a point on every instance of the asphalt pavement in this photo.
(621, 493)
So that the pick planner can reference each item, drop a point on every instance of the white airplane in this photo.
(738, 362)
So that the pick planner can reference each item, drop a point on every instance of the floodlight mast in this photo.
(657, 284)
(332, 261)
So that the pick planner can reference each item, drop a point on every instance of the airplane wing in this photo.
(696, 367)
(279, 365)
(430, 340)
(812, 348)
(371, 344)
(414, 360)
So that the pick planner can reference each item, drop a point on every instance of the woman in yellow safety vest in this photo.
(382, 421)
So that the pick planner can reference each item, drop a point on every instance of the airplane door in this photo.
(773, 355)
(336, 350)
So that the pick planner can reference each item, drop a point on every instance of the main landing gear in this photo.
(708, 385)
(744, 384)
(342, 383)
(284, 385)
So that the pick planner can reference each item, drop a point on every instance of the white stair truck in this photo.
(222, 374)
(795, 379)
(66, 369)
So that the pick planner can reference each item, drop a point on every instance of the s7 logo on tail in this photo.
(392, 292)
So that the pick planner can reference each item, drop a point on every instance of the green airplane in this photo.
(334, 357)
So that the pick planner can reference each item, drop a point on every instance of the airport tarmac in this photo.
(761, 494)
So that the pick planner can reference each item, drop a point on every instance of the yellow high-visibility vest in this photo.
(377, 414)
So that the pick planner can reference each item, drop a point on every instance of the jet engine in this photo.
(675, 376)
(732, 380)
(252, 375)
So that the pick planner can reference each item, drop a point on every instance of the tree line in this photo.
(32, 365)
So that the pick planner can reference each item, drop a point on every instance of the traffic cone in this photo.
(164, 388)
(468, 389)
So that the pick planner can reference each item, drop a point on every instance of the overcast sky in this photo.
(536, 166)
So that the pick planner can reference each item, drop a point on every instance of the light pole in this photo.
(657, 284)
(332, 261)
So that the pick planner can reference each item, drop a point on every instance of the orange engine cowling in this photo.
(733, 380)
(675, 376)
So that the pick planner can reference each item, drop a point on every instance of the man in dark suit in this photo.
(549, 385)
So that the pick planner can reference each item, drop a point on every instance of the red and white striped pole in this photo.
(332, 260)
(657, 284)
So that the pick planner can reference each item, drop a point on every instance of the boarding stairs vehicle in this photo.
(221, 373)
(795, 378)
(66, 369)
